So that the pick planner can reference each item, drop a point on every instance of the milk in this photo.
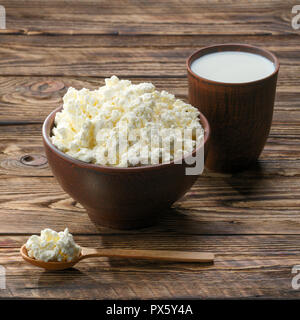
(233, 66)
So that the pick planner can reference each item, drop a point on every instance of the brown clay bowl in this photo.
(122, 198)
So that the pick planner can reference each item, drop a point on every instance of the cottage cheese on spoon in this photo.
(53, 246)
(94, 123)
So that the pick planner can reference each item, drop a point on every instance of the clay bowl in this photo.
(121, 198)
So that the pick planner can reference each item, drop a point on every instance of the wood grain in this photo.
(150, 17)
(40, 58)
(19, 140)
(260, 200)
(250, 220)
(31, 99)
(245, 266)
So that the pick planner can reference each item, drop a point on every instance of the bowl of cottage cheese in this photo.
(122, 150)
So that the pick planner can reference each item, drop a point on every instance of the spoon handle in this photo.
(162, 255)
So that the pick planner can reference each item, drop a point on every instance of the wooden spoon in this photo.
(162, 255)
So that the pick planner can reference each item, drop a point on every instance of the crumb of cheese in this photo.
(94, 123)
(53, 246)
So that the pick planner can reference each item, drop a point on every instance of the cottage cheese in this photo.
(53, 246)
(122, 124)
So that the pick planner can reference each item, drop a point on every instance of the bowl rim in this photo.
(232, 47)
(48, 125)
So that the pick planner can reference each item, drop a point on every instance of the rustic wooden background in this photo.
(250, 220)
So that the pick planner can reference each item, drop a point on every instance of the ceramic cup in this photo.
(240, 114)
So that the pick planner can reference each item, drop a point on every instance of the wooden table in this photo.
(250, 220)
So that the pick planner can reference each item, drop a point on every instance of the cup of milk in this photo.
(234, 86)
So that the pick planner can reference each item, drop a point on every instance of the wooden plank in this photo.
(12, 148)
(260, 200)
(245, 266)
(40, 59)
(272, 42)
(150, 17)
(211, 207)
(31, 99)
(18, 140)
